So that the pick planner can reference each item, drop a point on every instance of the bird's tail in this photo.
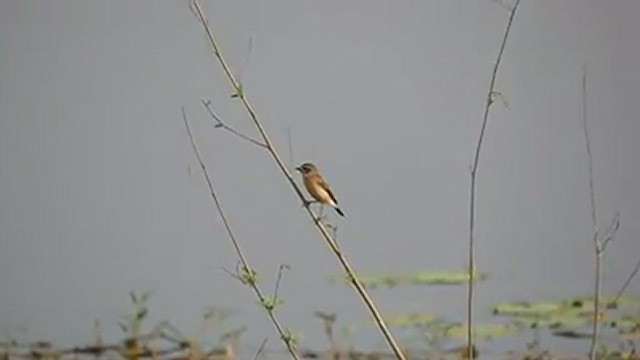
(339, 211)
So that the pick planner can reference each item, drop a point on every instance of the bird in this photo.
(317, 187)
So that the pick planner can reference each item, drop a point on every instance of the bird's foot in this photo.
(307, 203)
(321, 219)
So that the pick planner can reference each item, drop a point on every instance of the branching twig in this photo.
(239, 94)
(606, 236)
(248, 274)
(278, 278)
(260, 349)
(633, 274)
(502, 4)
(290, 147)
(246, 58)
(223, 125)
(600, 239)
(597, 245)
(491, 96)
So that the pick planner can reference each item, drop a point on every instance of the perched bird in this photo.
(317, 187)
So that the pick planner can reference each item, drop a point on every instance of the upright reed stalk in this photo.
(491, 96)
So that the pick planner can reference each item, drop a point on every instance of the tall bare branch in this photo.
(324, 232)
(492, 95)
(600, 238)
(248, 274)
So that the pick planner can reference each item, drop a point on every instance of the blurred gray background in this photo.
(100, 192)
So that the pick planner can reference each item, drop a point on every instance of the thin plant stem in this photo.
(597, 290)
(239, 94)
(290, 146)
(260, 349)
(223, 125)
(633, 274)
(491, 97)
(585, 131)
(600, 239)
(245, 264)
(597, 247)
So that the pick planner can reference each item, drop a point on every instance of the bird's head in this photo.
(306, 168)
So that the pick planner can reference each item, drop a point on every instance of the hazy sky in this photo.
(100, 192)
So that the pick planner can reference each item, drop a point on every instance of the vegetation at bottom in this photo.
(423, 336)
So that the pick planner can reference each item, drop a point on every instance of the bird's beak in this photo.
(299, 169)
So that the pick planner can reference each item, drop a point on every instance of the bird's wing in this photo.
(326, 187)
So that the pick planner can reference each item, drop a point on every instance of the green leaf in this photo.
(411, 320)
(420, 279)
(486, 332)
(525, 309)
(133, 296)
